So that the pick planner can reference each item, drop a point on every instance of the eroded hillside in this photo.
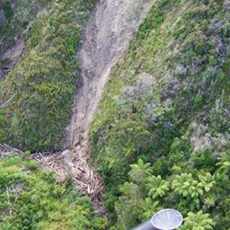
(105, 39)
(151, 112)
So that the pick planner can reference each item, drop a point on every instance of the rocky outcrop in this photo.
(227, 5)
(10, 58)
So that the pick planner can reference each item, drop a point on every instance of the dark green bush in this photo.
(8, 9)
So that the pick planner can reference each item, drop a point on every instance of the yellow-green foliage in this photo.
(32, 199)
(43, 82)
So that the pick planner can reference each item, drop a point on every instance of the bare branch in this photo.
(5, 104)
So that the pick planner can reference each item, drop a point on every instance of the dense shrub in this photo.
(180, 130)
(32, 199)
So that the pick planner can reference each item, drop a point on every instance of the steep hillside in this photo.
(161, 136)
(37, 95)
(150, 125)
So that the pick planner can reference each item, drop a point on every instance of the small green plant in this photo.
(8, 9)
(157, 187)
(198, 221)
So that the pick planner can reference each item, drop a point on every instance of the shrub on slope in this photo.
(167, 103)
(18, 16)
(43, 83)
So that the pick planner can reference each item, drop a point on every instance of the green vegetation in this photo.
(8, 11)
(161, 137)
(31, 199)
(43, 82)
(18, 19)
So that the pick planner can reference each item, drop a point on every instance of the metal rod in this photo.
(145, 226)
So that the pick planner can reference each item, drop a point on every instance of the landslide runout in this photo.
(107, 35)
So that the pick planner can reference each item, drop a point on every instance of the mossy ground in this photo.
(185, 46)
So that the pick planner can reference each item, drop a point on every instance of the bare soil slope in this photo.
(106, 37)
